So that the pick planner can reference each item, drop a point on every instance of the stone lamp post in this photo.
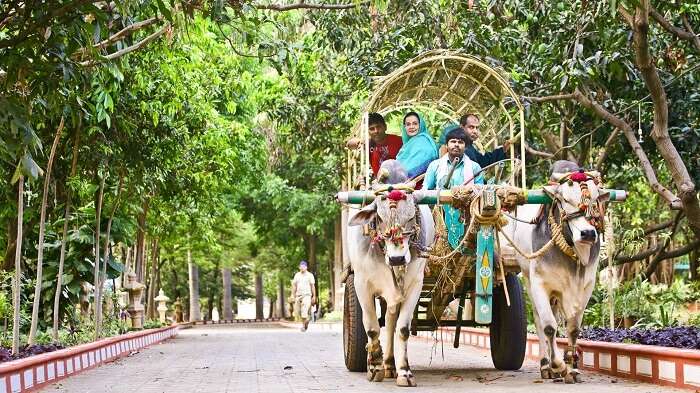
(135, 308)
(162, 304)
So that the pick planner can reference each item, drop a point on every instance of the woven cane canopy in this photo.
(450, 84)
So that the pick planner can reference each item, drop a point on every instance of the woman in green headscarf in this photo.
(419, 148)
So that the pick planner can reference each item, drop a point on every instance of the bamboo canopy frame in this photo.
(450, 84)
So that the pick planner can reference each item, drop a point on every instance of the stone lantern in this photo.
(135, 308)
(162, 304)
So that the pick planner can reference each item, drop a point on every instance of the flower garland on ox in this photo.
(592, 212)
(395, 232)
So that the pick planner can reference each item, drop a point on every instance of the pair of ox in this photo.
(388, 264)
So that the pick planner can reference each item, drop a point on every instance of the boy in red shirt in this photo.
(382, 146)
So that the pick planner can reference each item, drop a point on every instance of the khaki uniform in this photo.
(302, 300)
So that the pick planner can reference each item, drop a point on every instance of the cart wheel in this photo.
(354, 336)
(508, 329)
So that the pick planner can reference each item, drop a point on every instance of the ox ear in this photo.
(364, 216)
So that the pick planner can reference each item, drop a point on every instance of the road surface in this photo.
(272, 358)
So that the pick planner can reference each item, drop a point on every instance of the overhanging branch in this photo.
(622, 259)
(696, 38)
(646, 63)
(662, 255)
(556, 97)
(657, 227)
(129, 49)
(125, 32)
(538, 153)
(627, 130)
(675, 253)
(684, 34)
(302, 5)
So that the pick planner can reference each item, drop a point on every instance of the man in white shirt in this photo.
(304, 292)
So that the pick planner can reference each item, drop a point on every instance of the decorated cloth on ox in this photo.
(418, 151)
(436, 178)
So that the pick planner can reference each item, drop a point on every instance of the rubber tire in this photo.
(508, 329)
(354, 335)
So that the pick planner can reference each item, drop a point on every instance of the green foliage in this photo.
(651, 306)
(153, 324)
(227, 131)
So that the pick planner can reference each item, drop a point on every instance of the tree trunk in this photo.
(176, 281)
(64, 241)
(98, 217)
(331, 285)
(159, 285)
(194, 289)
(211, 299)
(646, 63)
(258, 296)
(141, 240)
(694, 263)
(271, 310)
(42, 228)
(152, 290)
(18, 267)
(9, 259)
(337, 267)
(227, 311)
(210, 306)
(281, 297)
(146, 266)
(126, 251)
(312, 254)
(105, 257)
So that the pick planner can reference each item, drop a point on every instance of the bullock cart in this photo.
(482, 277)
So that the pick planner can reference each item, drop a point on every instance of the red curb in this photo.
(233, 321)
(34, 372)
(647, 363)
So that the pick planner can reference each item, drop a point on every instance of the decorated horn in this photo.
(559, 177)
(382, 175)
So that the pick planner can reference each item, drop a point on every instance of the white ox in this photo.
(387, 264)
(558, 282)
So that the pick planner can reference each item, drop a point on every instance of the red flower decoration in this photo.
(396, 195)
(578, 177)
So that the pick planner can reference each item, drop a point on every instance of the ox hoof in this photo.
(548, 373)
(574, 376)
(389, 373)
(406, 380)
(375, 374)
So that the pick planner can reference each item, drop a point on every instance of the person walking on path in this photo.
(304, 292)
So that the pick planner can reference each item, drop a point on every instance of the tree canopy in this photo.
(211, 133)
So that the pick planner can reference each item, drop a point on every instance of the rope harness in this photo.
(592, 210)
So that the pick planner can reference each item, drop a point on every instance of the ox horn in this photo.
(382, 175)
(559, 177)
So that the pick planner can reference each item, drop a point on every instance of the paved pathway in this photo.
(270, 358)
